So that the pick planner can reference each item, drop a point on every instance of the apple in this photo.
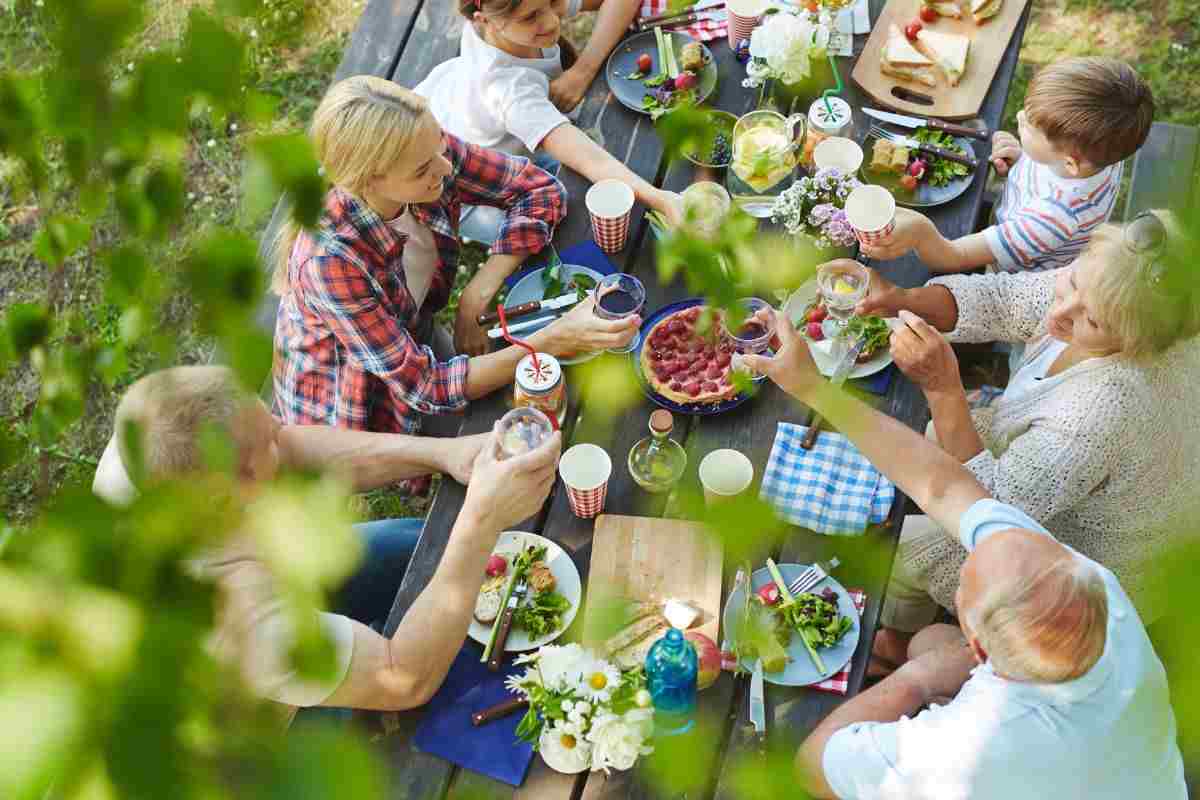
(709, 657)
(912, 29)
(644, 64)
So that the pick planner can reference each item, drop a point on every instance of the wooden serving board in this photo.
(988, 43)
(645, 558)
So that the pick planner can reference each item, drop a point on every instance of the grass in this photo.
(294, 55)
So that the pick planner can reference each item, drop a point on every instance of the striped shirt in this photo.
(1045, 221)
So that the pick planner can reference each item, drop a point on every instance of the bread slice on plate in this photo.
(985, 9)
(487, 606)
(901, 60)
(944, 8)
(949, 50)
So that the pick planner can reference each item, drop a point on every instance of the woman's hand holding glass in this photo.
(580, 330)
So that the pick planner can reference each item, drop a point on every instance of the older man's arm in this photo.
(405, 671)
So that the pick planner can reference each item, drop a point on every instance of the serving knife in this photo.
(506, 621)
(532, 307)
(758, 706)
(982, 134)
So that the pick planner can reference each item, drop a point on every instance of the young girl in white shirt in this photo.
(509, 90)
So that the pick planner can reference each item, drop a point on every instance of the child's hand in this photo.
(911, 229)
(1006, 149)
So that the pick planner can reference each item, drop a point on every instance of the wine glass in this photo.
(619, 296)
(750, 331)
(843, 284)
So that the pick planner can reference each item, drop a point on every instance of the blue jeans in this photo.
(482, 223)
(388, 546)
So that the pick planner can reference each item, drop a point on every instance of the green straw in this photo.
(837, 90)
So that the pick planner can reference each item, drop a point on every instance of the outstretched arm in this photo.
(613, 20)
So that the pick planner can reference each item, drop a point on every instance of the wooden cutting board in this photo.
(645, 558)
(988, 43)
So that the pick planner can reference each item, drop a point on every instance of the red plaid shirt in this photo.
(344, 350)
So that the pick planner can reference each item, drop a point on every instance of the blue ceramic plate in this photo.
(926, 195)
(635, 360)
(623, 63)
(800, 671)
(529, 288)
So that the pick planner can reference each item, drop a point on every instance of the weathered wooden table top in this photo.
(403, 40)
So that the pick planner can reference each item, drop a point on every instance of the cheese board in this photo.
(931, 92)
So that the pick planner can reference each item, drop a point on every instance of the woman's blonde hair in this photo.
(1149, 300)
(361, 129)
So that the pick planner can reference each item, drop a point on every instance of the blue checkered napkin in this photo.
(830, 489)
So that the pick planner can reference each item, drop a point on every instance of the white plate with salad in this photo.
(799, 308)
(548, 612)
(831, 622)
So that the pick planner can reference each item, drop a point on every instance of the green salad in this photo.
(939, 171)
(873, 329)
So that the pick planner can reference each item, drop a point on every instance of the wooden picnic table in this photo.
(402, 40)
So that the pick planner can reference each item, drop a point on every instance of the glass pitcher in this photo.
(766, 149)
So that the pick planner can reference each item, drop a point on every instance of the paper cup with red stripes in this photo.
(871, 212)
(585, 470)
(744, 16)
(610, 204)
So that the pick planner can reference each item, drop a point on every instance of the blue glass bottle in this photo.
(671, 667)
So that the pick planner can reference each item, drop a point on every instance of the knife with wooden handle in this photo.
(498, 711)
(506, 621)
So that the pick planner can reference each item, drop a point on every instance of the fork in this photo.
(933, 150)
(812, 576)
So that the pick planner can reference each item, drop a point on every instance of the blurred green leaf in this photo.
(27, 326)
(211, 59)
(284, 164)
(59, 238)
(224, 275)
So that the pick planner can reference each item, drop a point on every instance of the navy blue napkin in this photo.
(585, 254)
(877, 383)
(446, 731)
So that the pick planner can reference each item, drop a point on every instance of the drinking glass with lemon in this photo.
(843, 284)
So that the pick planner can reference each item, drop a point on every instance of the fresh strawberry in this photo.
(909, 182)
(817, 313)
(644, 64)
(928, 14)
(813, 329)
(912, 29)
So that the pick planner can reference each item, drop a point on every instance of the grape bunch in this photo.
(720, 152)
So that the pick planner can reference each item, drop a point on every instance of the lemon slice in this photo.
(842, 286)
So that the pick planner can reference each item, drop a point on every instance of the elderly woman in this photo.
(1095, 435)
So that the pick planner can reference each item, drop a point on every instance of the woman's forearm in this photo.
(952, 420)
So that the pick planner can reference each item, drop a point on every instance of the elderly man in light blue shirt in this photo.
(1057, 692)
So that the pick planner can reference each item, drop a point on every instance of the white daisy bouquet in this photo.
(584, 713)
(815, 207)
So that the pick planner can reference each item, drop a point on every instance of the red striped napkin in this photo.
(839, 683)
(704, 30)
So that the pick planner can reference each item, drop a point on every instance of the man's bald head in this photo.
(1038, 610)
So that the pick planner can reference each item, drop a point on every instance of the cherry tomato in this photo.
(644, 64)
(928, 14)
(768, 593)
(909, 182)
(912, 29)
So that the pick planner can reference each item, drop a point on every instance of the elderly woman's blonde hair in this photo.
(1149, 300)
(1048, 627)
(361, 130)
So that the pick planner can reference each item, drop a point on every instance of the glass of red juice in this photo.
(617, 297)
(751, 330)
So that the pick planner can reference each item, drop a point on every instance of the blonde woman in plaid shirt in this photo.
(353, 337)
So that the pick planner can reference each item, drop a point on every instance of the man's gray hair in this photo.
(1047, 627)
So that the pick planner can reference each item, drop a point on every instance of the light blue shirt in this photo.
(1107, 734)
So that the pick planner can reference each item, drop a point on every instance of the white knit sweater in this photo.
(1106, 454)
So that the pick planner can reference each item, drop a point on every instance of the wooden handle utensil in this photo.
(498, 711)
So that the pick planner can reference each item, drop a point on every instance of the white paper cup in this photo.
(743, 18)
(839, 153)
(871, 212)
(609, 204)
(585, 470)
(725, 474)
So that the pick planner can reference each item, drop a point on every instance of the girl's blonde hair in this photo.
(1150, 301)
(361, 129)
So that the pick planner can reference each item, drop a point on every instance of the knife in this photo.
(512, 312)
(506, 619)
(758, 709)
(497, 333)
(840, 373)
(982, 134)
(498, 711)
(934, 150)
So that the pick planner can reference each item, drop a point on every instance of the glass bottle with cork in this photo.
(657, 462)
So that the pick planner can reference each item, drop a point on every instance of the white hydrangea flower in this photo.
(617, 741)
(783, 46)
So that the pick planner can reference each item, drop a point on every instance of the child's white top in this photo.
(494, 99)
(1045, 221)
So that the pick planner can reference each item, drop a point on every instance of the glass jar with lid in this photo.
(541, 385)
(826, 120)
